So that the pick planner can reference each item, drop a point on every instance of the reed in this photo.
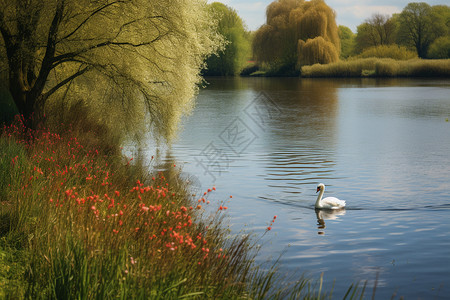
(380, 67)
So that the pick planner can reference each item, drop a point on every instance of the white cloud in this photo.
(363, 12)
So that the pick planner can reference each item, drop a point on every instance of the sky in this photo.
(350, 13)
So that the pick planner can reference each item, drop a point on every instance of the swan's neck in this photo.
(319, 198)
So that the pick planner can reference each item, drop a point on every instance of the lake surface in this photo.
(383, 145)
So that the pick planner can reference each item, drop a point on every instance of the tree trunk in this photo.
(24, 99)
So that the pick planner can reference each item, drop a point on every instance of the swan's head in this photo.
(320, 187)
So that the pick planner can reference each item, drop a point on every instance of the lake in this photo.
(383, 145)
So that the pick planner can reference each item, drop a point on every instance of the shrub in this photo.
(440, 48)
(388, 51)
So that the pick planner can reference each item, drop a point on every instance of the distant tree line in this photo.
(419, 27)
(300, 32)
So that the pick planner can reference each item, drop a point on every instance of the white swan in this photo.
(328, 202)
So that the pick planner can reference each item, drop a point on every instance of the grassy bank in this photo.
(76, 222)
(380, 67)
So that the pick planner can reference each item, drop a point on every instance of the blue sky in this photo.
(350, 13)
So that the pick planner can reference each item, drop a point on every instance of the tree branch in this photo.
(47, 61)
(98, 10)
(65, 81)
(69, 56)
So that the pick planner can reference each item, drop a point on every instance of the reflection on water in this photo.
(327, 214)
(380, 144)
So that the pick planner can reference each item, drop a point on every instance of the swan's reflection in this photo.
(325, 214)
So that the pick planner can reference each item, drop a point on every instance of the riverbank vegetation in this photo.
(380, 67)
(77, 221)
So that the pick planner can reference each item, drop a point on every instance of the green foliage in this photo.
(347, 38)
(440, 48)
(420, 24)
(388, 51)
(377, 30)
(230, 60)
(289, 24)
(380, 67)
(13, 264)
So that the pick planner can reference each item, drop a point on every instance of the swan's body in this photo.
(328, 202)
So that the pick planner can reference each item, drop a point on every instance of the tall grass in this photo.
(84, 223)
(380, 67)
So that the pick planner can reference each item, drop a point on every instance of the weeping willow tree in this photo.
(294, 27)
(316, 50)
(129, 60)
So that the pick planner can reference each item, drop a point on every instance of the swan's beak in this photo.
(318, 189)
